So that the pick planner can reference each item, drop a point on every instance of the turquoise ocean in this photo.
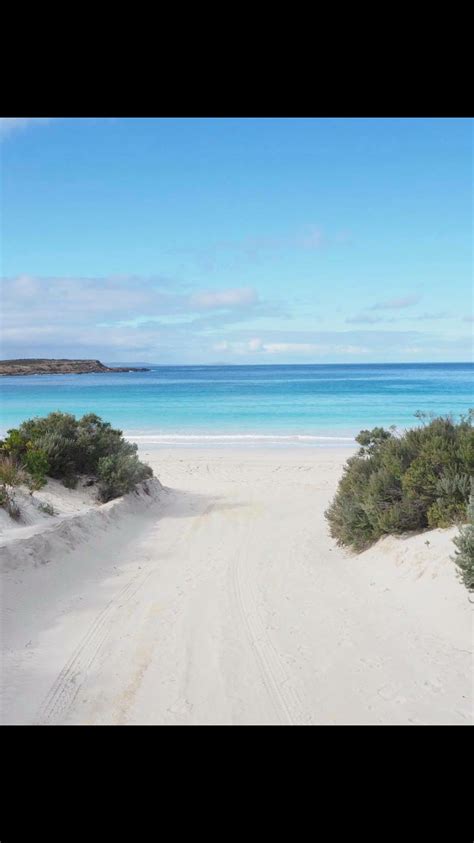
(228, 405)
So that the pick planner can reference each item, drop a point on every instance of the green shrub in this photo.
(63, 447)
(70, 481)
(97, 439)
(37, 466)
(444, 513)
(464, 555)
(396, 484)
(11, 475)
(8, 502)
(11, 472)
(400, 517)
(119, 474)
(60, 452)
(46, 508)
(15, 444)
(370, 440)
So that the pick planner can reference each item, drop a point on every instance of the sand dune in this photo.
(221, 599)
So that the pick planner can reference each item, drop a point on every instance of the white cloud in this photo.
(290, 348)
(352, 349)
(233, 254)
(112, 299)
(311, 348)
(256, 345)
(338, 346)
(46, 316)
(312, 238)
(8, 125)
(25, 286)
(395, 304)
(372, 319)
(367, 319)
(217, 299)
(163, 320)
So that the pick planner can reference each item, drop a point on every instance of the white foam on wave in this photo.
(176, 438)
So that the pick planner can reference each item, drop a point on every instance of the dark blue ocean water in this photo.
(212, 404)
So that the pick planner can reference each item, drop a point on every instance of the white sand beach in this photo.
(219, 598)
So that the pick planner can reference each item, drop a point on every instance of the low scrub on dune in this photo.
(404, 482)
(63, 447)
(11, 476)
(464, 553)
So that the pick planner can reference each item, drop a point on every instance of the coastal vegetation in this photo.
(11, 476)
(464, 555)
(397, 483)
(65, 448)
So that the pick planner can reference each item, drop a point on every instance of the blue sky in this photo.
(237, 240)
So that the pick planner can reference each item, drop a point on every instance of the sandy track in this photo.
(226, 602)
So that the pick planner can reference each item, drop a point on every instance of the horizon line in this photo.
(372, 363)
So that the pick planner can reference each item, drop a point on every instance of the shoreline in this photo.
(229, 440)
(329, 403)
(242, 441)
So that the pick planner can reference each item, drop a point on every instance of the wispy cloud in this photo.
(161, 319)
(256, 248)
(339, 346)
(218, 299)
(301, 349)
(368, 319)
(289, 347)
(372, 319)
(312, 237)
(9, 125)
(106, 298)
(397, 303)
(440, 314)
(105, 312)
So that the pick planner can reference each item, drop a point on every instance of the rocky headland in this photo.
(60, 367)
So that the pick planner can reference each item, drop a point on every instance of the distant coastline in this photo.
(45, 366)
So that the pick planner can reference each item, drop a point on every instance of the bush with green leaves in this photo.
(37, 465)
(11, 472)
(63, 447)
(9, 504)
(70, 481)
(464, 555)
(119, 474)
(47, 508)
(401, 483)
(97, 439)
(11, 475)
(53, 436)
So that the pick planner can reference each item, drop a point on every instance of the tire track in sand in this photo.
(63, 692)
(284, 697)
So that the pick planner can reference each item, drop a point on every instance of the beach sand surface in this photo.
(220, 598)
